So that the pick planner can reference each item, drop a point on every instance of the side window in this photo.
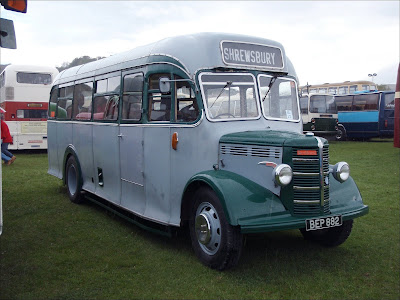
(344, 103)
(186, 108)
(159, 105)
(304, 105)
(106, 100)
(343, 90)
(53, 103)
(82, 106)
(352, 89)
(132, 97)
(366, 102)
(64, 104)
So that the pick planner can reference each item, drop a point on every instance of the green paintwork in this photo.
(239, 196)
(325, 125)
(256, 209)
(271, 138)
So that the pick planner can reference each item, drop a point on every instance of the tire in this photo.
(217, 244)
(73, 181)
(330, 237)
(341, 134)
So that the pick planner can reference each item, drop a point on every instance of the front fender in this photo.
(240, 197)
(345, 197)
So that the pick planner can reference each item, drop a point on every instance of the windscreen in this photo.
(229, 96)
(279, 98)
(323, 104)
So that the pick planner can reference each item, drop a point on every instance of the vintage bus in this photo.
(319, 114)
(365, 115)
(341, 88)
(24, 93)
(201, 132)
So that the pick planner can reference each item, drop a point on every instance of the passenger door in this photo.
(131, 144)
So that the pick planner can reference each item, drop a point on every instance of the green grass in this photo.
(53, 249)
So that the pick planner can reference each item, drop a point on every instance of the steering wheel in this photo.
(224, 114)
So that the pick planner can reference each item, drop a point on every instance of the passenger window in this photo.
(53, 103)
(82, 107)
(159, 107)
(187, 109)
(111, 111)
(105, 108)
(108, 85)
(159, 104)
(64, 104)
(132, 97)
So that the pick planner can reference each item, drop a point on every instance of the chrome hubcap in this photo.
(208, 228)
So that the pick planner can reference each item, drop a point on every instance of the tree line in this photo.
(77, 61)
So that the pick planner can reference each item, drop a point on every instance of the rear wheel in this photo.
(330, 237)
(341, 134)
(73, 180)
(216, 243)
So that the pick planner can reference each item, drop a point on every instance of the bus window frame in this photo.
(296, 95)
(170, 72)
(108, 93)
(204, 98)
(61, 86)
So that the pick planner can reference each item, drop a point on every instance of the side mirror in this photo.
(164, 85)
(7, 34)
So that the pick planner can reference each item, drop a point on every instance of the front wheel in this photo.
(73, 180)
(330, 237)
(216, 243)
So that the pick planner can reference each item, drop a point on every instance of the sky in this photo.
(327, 41)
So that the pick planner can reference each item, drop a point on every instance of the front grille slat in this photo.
(307, 183)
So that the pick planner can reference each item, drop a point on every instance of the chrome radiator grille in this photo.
(311, 183)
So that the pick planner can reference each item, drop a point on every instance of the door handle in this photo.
(120, 135)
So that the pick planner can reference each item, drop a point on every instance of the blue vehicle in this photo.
(365, 115)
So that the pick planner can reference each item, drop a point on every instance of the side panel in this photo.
(82, 141)
(132, 168)
(157, 176)
(106, 161)
(64, 139)
(360, 124)
(52, 153)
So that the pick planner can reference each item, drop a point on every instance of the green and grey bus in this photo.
(202, 132)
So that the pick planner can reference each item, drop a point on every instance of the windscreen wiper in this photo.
(269, 87)
(228, 83)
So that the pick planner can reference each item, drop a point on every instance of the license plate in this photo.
(323, 223)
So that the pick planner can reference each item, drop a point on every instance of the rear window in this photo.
(33, 78)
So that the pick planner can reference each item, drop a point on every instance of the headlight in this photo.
(283, 174)
(341, 171)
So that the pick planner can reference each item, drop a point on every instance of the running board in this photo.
(164, 230)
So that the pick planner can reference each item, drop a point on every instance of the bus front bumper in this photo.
(286, 221)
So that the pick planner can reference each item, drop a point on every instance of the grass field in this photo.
(53, 249)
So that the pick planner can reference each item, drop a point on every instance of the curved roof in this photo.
(190, 52)
(31, 68)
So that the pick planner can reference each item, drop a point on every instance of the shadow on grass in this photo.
(283, 253)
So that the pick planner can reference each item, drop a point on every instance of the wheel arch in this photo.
(239, 196)
(70, 151)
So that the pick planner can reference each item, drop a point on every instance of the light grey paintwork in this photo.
(142, 173)
(195, 52)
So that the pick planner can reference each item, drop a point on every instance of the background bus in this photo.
(24, 92)
(319, 114)
(343, 88)
(365, 115)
